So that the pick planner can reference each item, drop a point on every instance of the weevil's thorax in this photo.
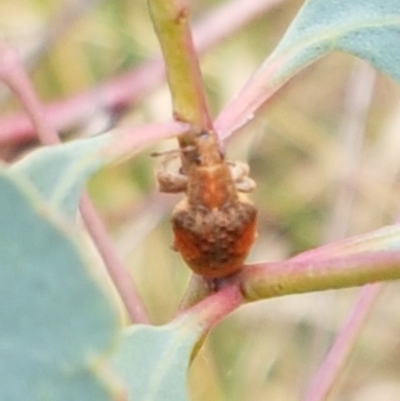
(211, 186)
(210, 182)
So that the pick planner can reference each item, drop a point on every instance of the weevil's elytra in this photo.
(214, 243)
(214, 225)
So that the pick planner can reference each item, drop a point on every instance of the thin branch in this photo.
(333, 366)
(214, 308)
(118, 273)
(259, 89)
(359, 95)
(13, 74)
(128, 141)
(129, 88)
(210, 311)
(387, 237)
(171, 23)
(268, 280)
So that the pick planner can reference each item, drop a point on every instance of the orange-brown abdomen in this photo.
(214, 242)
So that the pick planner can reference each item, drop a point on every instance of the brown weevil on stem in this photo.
(215, 223)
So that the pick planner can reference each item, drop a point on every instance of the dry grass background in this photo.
(325, 154)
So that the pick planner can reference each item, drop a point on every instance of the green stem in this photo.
(268, 280)
(171, 22)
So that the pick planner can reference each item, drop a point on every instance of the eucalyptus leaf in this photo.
(153, 361)
(368, 29)
(56, 325)
(61, 172)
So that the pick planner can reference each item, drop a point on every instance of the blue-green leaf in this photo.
(60, 172)
(55, 323)
(153, 361)
(368, 29)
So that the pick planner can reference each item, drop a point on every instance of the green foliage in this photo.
(55, 323)
(153, 361)
(367, 29)
(61, 172)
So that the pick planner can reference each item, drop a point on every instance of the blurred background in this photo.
(324, 153)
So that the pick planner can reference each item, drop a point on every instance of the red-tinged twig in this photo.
(118, 273)
(214, 308)
(268, 280)
(203, 316)
(253, 95)
(65, 114)
(13, 74)
(359, 94)
(384, 238)
(333, 365)
(128, 141)
(129, 88)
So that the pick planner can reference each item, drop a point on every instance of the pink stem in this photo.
(129, 88)
(128, 141)
(357, 101)
(334, 363)
(118, 273)
(12, 73)
(214, 308)
(268, 280)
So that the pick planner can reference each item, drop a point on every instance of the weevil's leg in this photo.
(240, 175)
(170, 181)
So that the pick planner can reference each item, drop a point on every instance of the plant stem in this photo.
(196, 290)
(334, 363)
(210, 311)
(13, 75)
(357, 100)
(267, 280)
(118, 273)
(171, 23)
(130, 87)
